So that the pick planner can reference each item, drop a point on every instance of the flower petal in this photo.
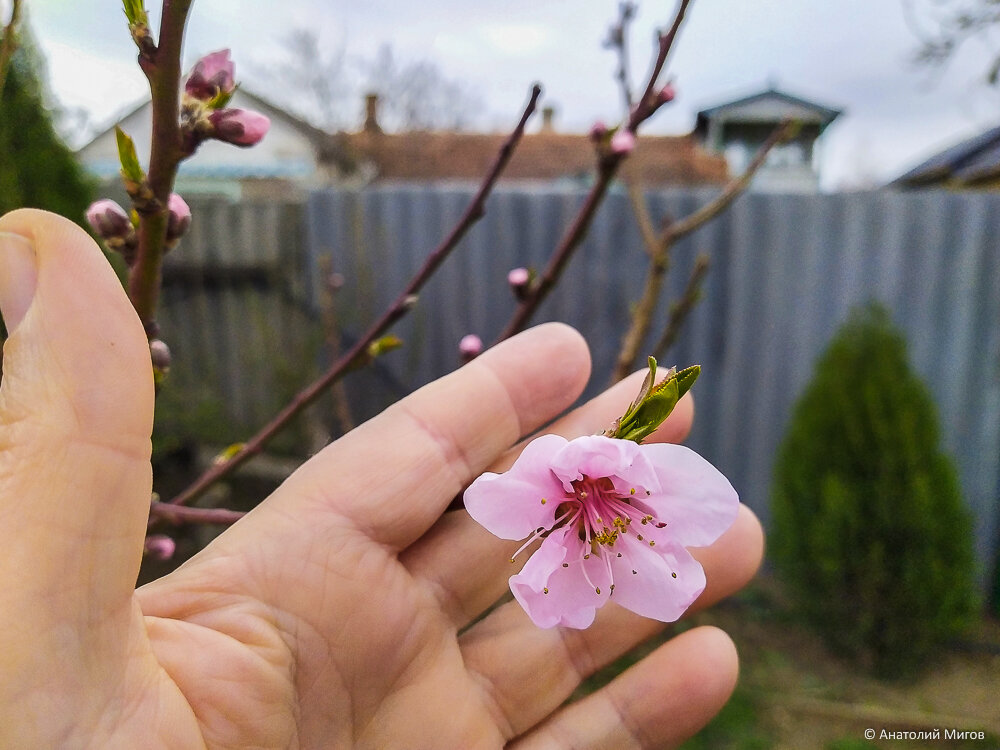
(695, 500)
(572, 601)
(652, 590)
(597, 456)
(509, 505)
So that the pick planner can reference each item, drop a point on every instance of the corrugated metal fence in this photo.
(785, 271)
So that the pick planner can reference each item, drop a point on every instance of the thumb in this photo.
(76, 403)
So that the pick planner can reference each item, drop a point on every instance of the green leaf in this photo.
(131, 169)
(654, 403)
(384, 345)
(135, 12)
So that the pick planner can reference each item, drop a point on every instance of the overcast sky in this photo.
(853, 55)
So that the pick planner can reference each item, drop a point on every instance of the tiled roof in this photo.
(675, 160)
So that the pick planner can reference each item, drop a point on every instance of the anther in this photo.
(639, 537)
(652, 544)
(565, 565)
(544, 501)
(673, 575)
(545, 590)
(635, 572)
(632, 491)
(597, 590)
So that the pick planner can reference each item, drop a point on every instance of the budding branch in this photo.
(358, 353)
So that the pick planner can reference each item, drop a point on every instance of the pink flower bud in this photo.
(109, 220)
(598, 131)
(159, 547)
(159, 352)
(213, 74)
(518, 277)
(622, 142)
(470, 347)
(667, 94)
(179, 219)
(241, 127)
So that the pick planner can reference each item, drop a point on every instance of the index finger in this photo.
(393, 476)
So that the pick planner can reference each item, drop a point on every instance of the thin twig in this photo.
(659, 263)
(618, 39)
(180, 514)
(163, 70)
(8, 42)
(681, 309)
(357, 354)
(732, 190)
(607, 168)
(331, 326)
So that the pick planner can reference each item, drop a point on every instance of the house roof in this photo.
(329, 149)
(451, 155)
(677, 160)
(970, 162)
(767, 106)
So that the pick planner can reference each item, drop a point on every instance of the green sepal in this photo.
(131, 169)
(654, 402)
(221, 99)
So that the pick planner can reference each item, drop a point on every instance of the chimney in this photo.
(548, 115)
(371, 114)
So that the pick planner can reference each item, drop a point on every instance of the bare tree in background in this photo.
(419, 96)
(312, 79)
(320, 82)
(945, 26)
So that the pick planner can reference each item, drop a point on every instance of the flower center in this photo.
(601, 515)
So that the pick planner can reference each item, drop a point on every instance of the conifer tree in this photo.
(37, 169)
(870, 531)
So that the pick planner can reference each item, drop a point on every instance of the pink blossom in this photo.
(109, 220)
(667, 94)
(213, 74)
(615, 518)
(598, 131)
(622, 142)
(518, 277)
(159, 547)
(470, 347)
(178, 218)
(241, 127)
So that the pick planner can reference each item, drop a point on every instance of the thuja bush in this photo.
(870, 532)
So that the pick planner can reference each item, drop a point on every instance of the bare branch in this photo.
(358, 353)
(642, 314)
(162, 67)
(608, 165)
(681, 309)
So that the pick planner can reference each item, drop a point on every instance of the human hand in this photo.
(342, 612)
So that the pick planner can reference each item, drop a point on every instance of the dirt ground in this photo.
(807, 697)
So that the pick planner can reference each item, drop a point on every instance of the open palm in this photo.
(342, 612)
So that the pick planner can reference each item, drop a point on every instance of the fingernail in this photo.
(18, 278)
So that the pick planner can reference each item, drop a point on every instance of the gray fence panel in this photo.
(244, 295)
(785, 272)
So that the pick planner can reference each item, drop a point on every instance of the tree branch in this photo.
(358, 353)
(680, 310)
(608, 165)
(659, 262)
(180, 514)
(163, 70)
